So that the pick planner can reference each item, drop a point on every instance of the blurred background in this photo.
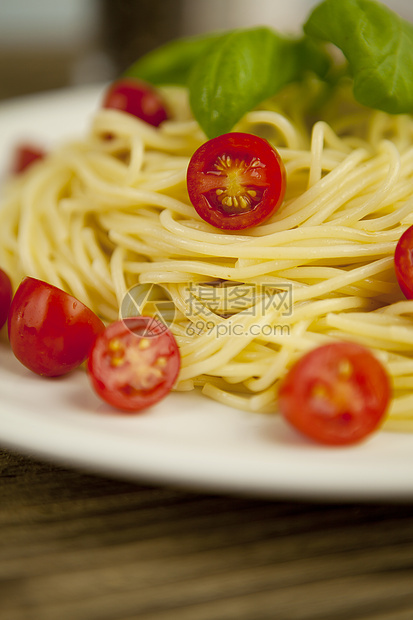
(49, 44)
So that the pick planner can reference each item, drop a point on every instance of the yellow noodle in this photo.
(99, 216)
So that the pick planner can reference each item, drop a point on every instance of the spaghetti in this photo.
(104, 213)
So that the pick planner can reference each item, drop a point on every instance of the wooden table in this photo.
(78, 546)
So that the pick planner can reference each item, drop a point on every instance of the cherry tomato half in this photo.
(6, 294)
(24, 156)
(137, 98)
(336, 394)
(50, 331)
(403, 263)
(236, 181)
(134, 363)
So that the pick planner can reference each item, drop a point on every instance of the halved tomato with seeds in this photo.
(236, 181)
(336, 394)
(134, 363)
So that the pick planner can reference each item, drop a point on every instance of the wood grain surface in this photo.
(77, 546)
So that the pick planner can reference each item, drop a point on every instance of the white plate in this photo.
(186, 440)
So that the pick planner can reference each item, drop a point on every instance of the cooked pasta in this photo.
(109, 211)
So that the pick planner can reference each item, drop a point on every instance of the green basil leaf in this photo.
(171, 63)
(378, 45)
(238, 72)
(312, 57)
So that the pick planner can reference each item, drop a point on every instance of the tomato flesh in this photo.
(6, 294)
(50, 332)
(25, 155)
(134, 363)
(336, 394)
(137, 98)
(236, 181)
(403, 263)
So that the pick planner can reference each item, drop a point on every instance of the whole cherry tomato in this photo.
(137, 98)
(236, 181)
(50, 331)
(336, 394)
(134, 363)
(24, 156)
(403, 263)
(6, 294)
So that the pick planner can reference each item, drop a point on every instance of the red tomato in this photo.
(50, 331)
(134, 363)
(336, 394)
(25, 155)
(6, 294)
(137, 98)
(236, 181)
(403, 263)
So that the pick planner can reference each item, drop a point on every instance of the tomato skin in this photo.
(137, 98)
(336, 394)
(403, 263)
(50, 332)
(134, 363)
(24, 156)
(236, 181)
(6, 294)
